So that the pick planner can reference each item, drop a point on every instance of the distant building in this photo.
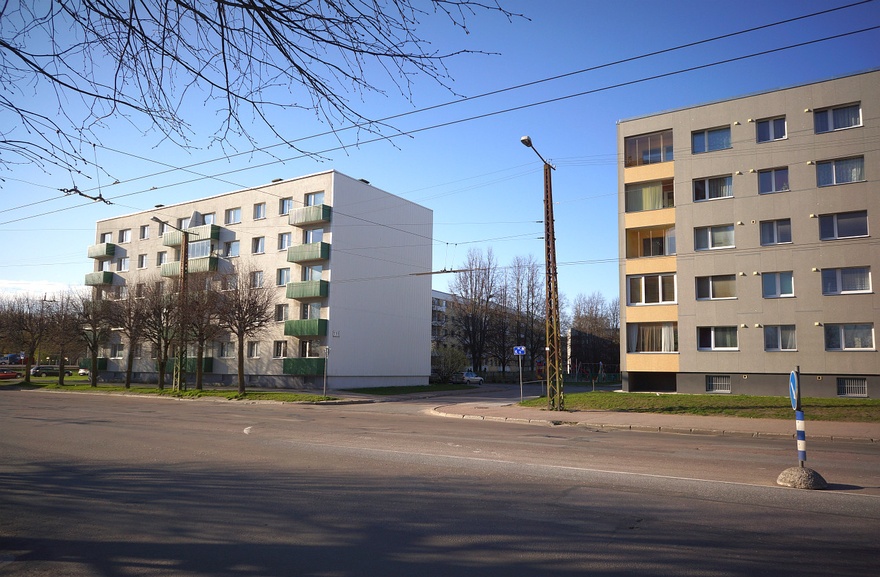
(340, 255)
(747, 243)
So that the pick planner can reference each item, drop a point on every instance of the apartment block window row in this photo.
(837, 118)
(651, 289)
(649, 195)
(711, 188)
(777, 338)
(648, 149)
(710, 140)
(652, 337)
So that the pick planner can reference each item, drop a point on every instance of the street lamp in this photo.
(555, 398)
(179, 379)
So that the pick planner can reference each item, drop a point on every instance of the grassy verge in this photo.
(386, 391)
(834, 409)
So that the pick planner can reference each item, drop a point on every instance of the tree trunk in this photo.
(129, 363)
(240, 365)
(93, 368)
(200, 354)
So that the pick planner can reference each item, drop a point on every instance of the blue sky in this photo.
(484, 187)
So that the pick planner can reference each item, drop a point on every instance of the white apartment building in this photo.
(340, 255)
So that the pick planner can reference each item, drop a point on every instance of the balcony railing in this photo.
(309, 366)
(204, 232)
(196, 265)
(308, 289)
(99, 278)
(308, 252)
(306, 328)
(310, 215)
(102, 251)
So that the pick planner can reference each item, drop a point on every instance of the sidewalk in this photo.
(683, 424)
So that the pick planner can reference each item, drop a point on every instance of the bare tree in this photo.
(128, 316)
(26, 322)
(527, 289)
(93, 328)
(160, 323)
(143, 62)
(502, 326)
(63, 330)
(473, 291)
(245, 311)
(202, 318)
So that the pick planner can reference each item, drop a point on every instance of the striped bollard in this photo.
(801, 437)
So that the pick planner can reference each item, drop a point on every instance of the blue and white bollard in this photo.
(801, 437)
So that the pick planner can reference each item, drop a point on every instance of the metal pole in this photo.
(326, 362)
(520, 378)
(555, 396)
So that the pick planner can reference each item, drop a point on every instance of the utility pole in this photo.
(555, 397)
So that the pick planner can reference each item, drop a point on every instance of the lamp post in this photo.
(179, 379)
(555, 398)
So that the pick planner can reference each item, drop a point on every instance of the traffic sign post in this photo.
(799, 477)
(520, 353)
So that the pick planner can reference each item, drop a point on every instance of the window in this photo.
(258, 245)
(283, 240)
(183, 223)
(140, 290)
(309, 349)
(652, 337)
(829, 119)
(144, 232)
(311, 273)
(281, 312)
(849, 337)
(106, 237)
(649, 195)
(279, 349)
(775, 231)
(229, 282)
(651, 289)
(852, 387)
(105, 265)
(771, 129)
(310, 311)
(841, 171)
(253, 349)
(773, 180)
(838, 281)
(142, 261)
(231, 248)
(712, 237)
(314, 198)
(200, 249)
(161, 258)
(117, 350)
(777, 284)
(718, 383)
(843, 225)
(256, 279)
(122, 264)
(208, 218)
(650, 242)
(232, 216)
(138, 349)
(648, 148)
(125, 235)
(779, 338)
(285, 205)
(227, 350)
(260, 211)
(716, 338)
(722, 286)
(709, 188)
(282, 276)
(709, 140)
(314, 235)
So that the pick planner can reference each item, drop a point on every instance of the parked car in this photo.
(47, 371)
(83, 372)
(9, 374)
(468, 378)
(10, 359)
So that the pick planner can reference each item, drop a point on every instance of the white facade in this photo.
(327, 240)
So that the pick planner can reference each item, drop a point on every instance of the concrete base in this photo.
(801, 478)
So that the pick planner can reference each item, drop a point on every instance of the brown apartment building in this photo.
(748, 241)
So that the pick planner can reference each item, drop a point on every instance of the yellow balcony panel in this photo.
(309, 252)
(306, 328)
(650, 265)
(649, 218)
(648, 172)
(310, 215)
(308, 289)
(652, 313)
(102, 251)
(652, 362)
(99, 278)
(304, 366)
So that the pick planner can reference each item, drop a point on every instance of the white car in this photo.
(83, 372)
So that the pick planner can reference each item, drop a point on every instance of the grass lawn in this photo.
(833, 409)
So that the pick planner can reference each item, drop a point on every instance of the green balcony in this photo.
(308, 289)
(310, 215)
(205, 232)
(99, 278)
(196, 265)
(102, 251)
(304, 367)
(306, 328)
(309, 252)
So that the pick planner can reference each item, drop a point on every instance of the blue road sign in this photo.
(519, 351)
(793, 389)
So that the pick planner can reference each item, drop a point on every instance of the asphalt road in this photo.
(113, 486)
